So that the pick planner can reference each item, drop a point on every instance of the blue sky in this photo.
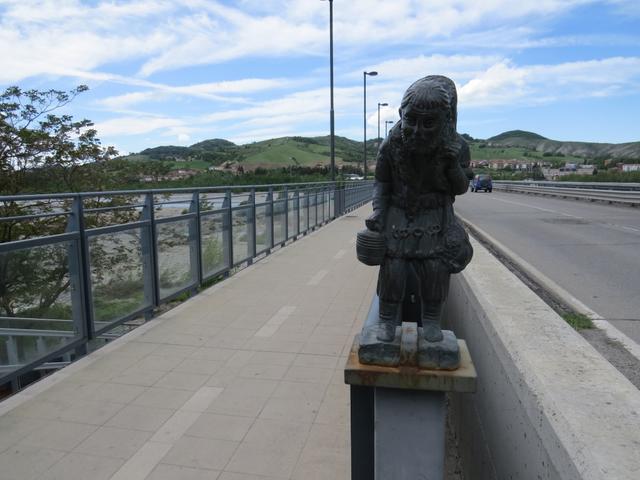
(175, 72)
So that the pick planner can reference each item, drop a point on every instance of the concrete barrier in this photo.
(548, 406)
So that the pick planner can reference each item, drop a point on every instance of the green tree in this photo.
(41, 151)
(36, 142)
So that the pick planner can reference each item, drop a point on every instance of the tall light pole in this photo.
(364, 76)
(386, 123)
(380, 105)
(332, 139)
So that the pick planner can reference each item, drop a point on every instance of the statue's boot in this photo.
(387, 323)
(431, 321)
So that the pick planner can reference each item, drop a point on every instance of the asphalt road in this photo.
(592, 250)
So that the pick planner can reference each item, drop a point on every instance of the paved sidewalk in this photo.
(242, 382)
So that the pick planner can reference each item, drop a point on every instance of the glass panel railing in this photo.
(292, 218)
(214, 234)
(242, 233)
(117, 267)
(304, 212)
(37, 303)
(177, 262)
(312, 209)
(263, 228)
(279, 221)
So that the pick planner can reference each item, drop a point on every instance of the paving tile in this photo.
(242, 476)
(320, 464)
(309, 374)
(193, 452)
(234, 404)
(24, 462)
(311, 360)
(14, 428)
(273, 358)
(159, 362)
(199, 365)
(256, 387)
(271, 461)
(142, 462)
(266, 433)
(93, 413)
(136, 349)
(300, 390)
(41, 408)
(183, 351)
(291, 409)
(321, 348)
(212, 353)
(113, 442)
(263, 371)
(176, 472)
(161, 397)
(138, 376)
(183, 380)
(222, 427)
(140, 418)
(79, 466)
(174, 428)
(58, 435)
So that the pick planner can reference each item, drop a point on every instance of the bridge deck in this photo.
(241, 382)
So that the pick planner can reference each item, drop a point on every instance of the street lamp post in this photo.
(387, 123)
(364, 76)
(332, 140)
(380, 105)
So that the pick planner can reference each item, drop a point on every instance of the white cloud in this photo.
(219, 91)
(506, 83)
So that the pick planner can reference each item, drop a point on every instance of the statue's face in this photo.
(423, 128)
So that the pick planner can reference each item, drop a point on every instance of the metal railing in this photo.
(76, 267)
(622, 193)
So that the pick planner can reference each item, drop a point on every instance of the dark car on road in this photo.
(481, 182)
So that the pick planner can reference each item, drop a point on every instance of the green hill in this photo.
(533, 141)
(311, 151)
(276, 152)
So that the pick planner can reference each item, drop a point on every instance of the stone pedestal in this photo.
(398, 413)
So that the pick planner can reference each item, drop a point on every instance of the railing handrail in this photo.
(216, 188)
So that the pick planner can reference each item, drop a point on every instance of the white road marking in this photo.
(537, 208)
(274, 322)
(609, 225)
(340, 254)
(317, 278)
(140, 465)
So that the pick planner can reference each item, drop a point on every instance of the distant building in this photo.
(630, 167)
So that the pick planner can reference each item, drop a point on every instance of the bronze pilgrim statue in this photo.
(413, 232)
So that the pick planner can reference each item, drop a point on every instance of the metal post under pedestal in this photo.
(398, 417)
(409, 434)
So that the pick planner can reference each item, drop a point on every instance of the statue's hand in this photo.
(452, 156)
(374, 222)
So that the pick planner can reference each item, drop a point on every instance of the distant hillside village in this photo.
(550, 171)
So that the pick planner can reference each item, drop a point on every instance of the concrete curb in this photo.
(556, 290)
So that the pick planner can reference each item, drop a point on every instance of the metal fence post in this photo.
(227, 224)
(84, 273)
(251, 227)
(195, 247)
(286, 215)
(271, 216)
(150, 253)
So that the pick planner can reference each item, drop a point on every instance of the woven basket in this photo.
(370, 247)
